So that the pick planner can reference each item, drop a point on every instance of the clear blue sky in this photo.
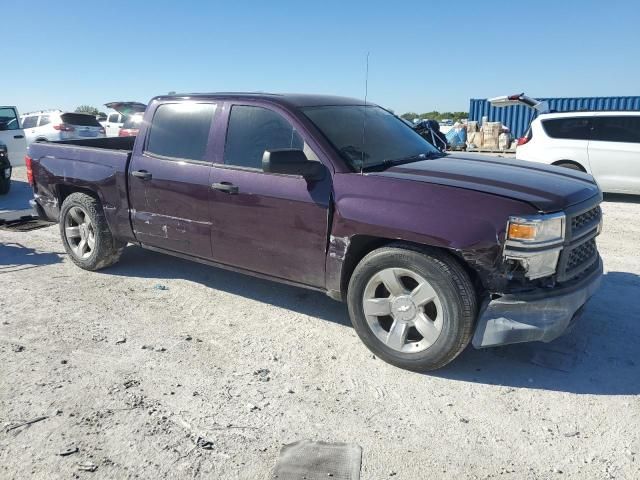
(424, 55)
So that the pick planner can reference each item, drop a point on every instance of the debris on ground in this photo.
(87, 467)
(204, 443)
(159, 286)
(263, 374)
(17, 348)
(131, 383)
(68, 451)
(27, 423)
(121, 340)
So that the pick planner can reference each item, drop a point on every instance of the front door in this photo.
(614, 153)
(267, 223)
(12, 135)
(169, 184)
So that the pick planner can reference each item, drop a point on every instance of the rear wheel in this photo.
(86, 235)
(413, 309)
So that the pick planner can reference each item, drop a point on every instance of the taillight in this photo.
(527, 136)
(27, 162)
(523, 140)
(63, 127)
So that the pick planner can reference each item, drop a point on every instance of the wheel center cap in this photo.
(403, 308)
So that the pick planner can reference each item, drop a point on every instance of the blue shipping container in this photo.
(518, 117)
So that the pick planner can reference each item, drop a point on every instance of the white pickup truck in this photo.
(12, 135)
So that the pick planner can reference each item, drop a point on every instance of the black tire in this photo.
(106, 250)
(449, 281)
(570, 165)
(5, 185)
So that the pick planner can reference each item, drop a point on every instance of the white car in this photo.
(113, 124)
(116, 119)
(12, 135)
(604, 144)
(53, 125)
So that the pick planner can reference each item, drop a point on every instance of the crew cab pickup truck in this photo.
(430, 251)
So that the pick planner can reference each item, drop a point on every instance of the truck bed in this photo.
(97, 165)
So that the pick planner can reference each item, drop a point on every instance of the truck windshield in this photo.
(386, 138)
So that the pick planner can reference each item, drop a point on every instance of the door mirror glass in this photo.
(289, 161)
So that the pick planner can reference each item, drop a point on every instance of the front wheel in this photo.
(413, 309)
(85, 233)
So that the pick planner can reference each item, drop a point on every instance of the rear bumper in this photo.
(537, 316)
(46, 211)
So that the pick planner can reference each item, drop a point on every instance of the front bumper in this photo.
(537, 316)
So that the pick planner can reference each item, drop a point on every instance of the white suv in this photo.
(55, 125)
(604, 144)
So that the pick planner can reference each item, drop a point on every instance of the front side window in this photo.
(578, 128)
(8, 119)
(181, 130)
(252, 130)
(30, 122)
(367, 136)
(624, 129)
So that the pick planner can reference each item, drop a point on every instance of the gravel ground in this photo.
(162, 368)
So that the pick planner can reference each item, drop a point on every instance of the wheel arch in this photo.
(63, 191)
(559, 163)
(361, 245)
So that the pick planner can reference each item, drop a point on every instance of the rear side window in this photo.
(181, 130)
(114, 118)
(617, 129)
(568, 128)
(30, 122)
(44, 120)
(80, 119)
(252, 130)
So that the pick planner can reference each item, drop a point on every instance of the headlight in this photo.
(535, 243)
(536, 231)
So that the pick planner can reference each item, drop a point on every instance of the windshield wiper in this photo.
(399, 161)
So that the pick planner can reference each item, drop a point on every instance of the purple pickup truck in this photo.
(430, 251)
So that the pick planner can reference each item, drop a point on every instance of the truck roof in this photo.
(286, 99)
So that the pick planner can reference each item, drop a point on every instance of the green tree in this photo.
(409, 116)
(87, 109)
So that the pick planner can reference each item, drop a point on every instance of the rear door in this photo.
(568, 139)
(267, 223)
(614, 152)
(169, 184)
(29, 125)
(12, 135)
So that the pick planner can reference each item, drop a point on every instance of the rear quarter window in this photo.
(80, 119)
(181, 130)
(578, 128)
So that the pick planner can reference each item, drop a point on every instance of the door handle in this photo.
(142, 174)
(226, 187)
(18, 136)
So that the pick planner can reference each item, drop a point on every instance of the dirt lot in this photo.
(134, 364)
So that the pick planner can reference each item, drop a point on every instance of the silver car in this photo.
(56, 125)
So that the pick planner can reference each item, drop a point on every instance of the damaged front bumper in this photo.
(542, 315)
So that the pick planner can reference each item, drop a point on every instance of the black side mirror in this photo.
(289, 161)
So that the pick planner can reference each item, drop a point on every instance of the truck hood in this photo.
(547, 188)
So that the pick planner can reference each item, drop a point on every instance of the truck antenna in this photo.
(364, 115)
